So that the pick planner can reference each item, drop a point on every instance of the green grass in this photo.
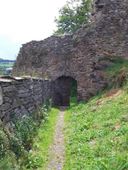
(117, 66)
(96, 133)
(38, 156)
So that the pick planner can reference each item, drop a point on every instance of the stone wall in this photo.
(83, 55)
(22, 96)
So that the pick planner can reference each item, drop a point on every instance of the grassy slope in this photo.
(97, 132)
(38, 156)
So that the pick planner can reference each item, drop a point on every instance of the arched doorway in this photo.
(63, 89)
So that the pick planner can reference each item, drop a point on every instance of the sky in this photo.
(24, 20)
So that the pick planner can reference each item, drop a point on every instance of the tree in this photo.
(73, 15)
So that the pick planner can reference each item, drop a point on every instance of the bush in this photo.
(4, 144)
(24, 130)
(7, 157)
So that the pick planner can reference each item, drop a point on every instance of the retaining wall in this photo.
(22, 96)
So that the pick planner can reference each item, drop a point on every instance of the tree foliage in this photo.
(72, 15)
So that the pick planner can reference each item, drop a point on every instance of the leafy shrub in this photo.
(4, 145)
(7, 157)
(8, 163)
(24, 131)
(16, 147)
(42, 113)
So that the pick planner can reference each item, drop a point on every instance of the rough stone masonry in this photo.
(82, 55)
(22, 96)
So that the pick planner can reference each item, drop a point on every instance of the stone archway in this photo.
(62, 89)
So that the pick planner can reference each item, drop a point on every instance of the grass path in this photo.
(57, 149)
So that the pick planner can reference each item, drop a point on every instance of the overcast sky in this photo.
(24, 20)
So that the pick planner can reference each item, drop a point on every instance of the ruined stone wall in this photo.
(20, 97)
(83, 55)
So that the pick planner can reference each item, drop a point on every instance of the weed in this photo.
(18, 142)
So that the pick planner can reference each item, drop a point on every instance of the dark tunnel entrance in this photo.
(64, 89)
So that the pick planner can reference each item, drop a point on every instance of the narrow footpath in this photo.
(57, 149)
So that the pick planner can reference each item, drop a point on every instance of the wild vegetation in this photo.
(18, 143)
(117, 72)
